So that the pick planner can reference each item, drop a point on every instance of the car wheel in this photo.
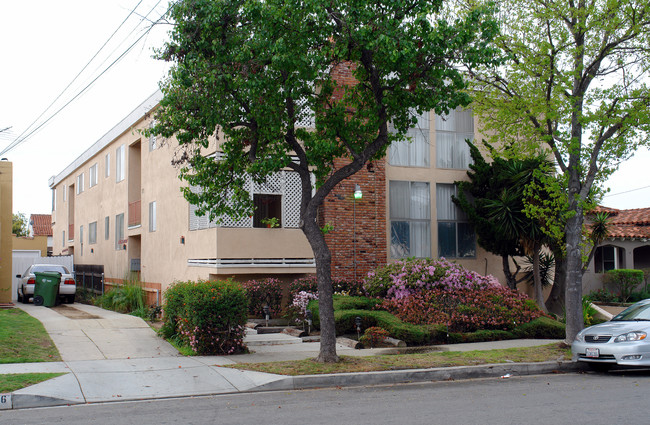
(69, 299)
(25, 299)
(20, 297)
(600, 367)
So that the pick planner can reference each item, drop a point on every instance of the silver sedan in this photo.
(622, 341)
(67, 287)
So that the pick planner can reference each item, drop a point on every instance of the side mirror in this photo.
(18, 276)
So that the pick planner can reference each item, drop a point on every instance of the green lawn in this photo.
(24, 340)
(550, 352)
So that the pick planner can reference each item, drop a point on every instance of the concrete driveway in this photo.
(85, 332)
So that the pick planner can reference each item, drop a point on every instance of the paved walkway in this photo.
(109, 356)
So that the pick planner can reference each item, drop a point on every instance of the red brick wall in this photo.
(359, 225)
(358, 240)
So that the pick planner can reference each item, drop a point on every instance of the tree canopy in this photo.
(19, 224)
(261, 76)
(575, 81)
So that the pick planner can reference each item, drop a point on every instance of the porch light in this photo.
(357, 192)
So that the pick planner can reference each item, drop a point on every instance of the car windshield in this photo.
(49, 268)
(635, 312)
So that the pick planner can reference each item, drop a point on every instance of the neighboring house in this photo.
(40, 225)
(119, 205)
(626, 247)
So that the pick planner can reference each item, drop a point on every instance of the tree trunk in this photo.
(323, 259)
(537, 281)
(511, 280)
(573, 293)
(555, 301)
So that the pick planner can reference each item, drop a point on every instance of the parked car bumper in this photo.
(636, 353)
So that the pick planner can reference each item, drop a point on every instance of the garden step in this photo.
(270, 339)
(269, 329)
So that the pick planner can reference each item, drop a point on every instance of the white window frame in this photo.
(107, 227)
(92, 233)
(410, 222)
(453, 217)
(94, 175)
(457, 155)
(120, 164)
(81, 240)
(107, 165)
(152, 138)
(119, 230)
(414, 151)
(80, 183)
(152, 216)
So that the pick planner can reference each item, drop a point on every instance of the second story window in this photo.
(80, 183)
(120, 163)
(93, 175)
(415, 151)
(451, 132)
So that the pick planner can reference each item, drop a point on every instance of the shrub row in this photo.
(207, 316)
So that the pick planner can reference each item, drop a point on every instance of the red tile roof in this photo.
(42, 224)
(633, 223)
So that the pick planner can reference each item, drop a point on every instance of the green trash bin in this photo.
(46, 289)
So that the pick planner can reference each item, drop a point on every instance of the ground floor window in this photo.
(456, 238)
(608, 258)
(410, 219)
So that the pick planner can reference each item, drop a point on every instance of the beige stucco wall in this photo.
(33, 243)
(6, 193)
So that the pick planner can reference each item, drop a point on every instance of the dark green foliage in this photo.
(207, 316)
(543, 327)
(125, 298)
(625, 280)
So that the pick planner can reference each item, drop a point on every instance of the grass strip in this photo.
(550, 352)
(23, 339)
(15, 381)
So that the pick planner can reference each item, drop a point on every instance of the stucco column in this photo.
(6, 173)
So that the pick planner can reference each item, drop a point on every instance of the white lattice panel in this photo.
(305, 115)
(272, 185)
(292, 198)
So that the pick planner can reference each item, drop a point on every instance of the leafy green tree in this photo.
(494, 199)
(19, 224)
(575, 79)
(249, 71)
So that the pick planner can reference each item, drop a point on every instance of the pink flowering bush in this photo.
(209, 317)
(340, 286)
(263, 292)
(465, 309)
(373, 336)
(405, 278)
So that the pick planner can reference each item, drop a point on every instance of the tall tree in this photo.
(19, 224)
(252, 70)
(575, 79)
(495, 198)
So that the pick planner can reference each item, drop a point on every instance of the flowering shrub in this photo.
(404, 278)
(465, 309)
(263, 292)
(301, 299)
(340, 286)
(207, 316)
(373, 336)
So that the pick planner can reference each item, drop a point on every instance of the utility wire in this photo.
(627, 191)
(18, 142)
(22, 137)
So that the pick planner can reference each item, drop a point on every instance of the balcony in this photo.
(135, 213)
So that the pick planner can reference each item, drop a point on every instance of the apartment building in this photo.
(119, 205)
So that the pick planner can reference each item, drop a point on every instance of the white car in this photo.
(67, 286)
(623, 341)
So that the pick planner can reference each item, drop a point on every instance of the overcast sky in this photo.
(45, 44)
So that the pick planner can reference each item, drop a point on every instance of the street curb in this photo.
(504, 370)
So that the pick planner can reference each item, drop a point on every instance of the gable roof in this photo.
(41, 224)
(628, 224)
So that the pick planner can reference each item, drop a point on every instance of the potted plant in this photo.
(271, 222)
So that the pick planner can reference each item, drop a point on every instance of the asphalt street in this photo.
(575, 398)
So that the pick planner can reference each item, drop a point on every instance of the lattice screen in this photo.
(306, 117)
(285, 183)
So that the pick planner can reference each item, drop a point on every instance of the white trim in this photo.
(251, 262)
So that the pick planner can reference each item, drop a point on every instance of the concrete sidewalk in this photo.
(109, 356)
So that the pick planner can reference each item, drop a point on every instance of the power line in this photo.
(23, 137)
(627, 191)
